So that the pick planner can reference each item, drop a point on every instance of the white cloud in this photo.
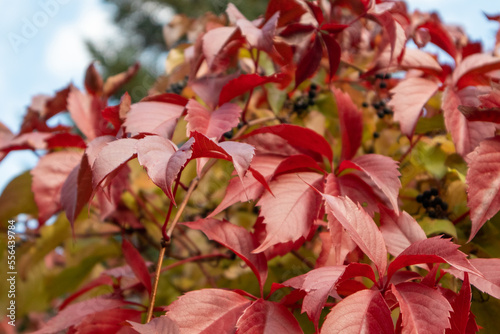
(66, 55)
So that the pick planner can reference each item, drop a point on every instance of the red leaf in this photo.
(409, 97)
(334, 53)
(361, 227)
(473, 66)
(107, 321)
(432, 250)
(309, 62)
(245, 82)
(49, 176)
(76, 191)
(136, 262)
(466, 135)
(209, 88)
(113, 83)
(461, 309)
(154, 153)
(297, 163)
(440, 36)
(399, 231)
(117, 114)
(351, 124)
(299, 137)
(112, 155)
(48, 106)
(489, 282)
(216, 311)
(75, 313)
(363, 312)
(354, 187)
(290, 10)
(93, 81)
(424, 309)
(483, 192)
(211, 123)
(65, 139)
(265, 317)
(475, 114)
(240, 154)
(158, 325)
(249, 188)
(382, 170)
(237, 239)
(290, 213)
(155, 117)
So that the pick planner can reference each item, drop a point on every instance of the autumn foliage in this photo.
(307, 171)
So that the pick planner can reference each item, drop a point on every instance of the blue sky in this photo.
(51, 53)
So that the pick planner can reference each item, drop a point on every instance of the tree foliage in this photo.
(305, 171)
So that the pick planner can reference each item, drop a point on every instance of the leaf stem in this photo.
(461, 217)
(412, 145)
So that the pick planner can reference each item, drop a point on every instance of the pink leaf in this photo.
(49, 176)
(216, 311)
(249, 188)
(472, 66)
(214, 40)
(424, 309)
(351, 124)
(394, 31)
(237, 239)
(432, 250)
(259, 38)
(309, 62)
(245, 82)
(297, 163)
(82, 111)
(299, 137)
(154, 153)
(265, 317)
(75, 313)
(466, 135)
(399, 231)
(158, 325)
(209, 88)
(382, 170)
(321, 282)
(136, 262)
(356, 188)
(113, 155)
(409, 97)
(483, 182)
(361, 227)
(211, 123)
(77, 189)
(461, 309)
(157, 117)
(362, 312)
(290, 213)
(489, 282)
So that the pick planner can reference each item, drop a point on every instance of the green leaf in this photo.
(17, 198)
(432, 158)
(438, 226)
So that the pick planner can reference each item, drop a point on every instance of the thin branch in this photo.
(412, 145)
(461, 217)
(303, 259)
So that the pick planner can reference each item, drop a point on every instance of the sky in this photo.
(42, 50)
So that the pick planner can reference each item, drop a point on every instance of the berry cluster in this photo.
(304, 101)
(382, 77)
(381, 108)
(177, 87)
(433, 204)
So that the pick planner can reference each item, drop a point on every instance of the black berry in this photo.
(383, 85)
(376, 135)
(364, 105)
(379, 75)
(380, 114)
(444, 206)
(388, 111)
(427, 194)
(419, 198)
(434, 192)
(387, 76)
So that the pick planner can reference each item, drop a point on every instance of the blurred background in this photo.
(47, 44)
